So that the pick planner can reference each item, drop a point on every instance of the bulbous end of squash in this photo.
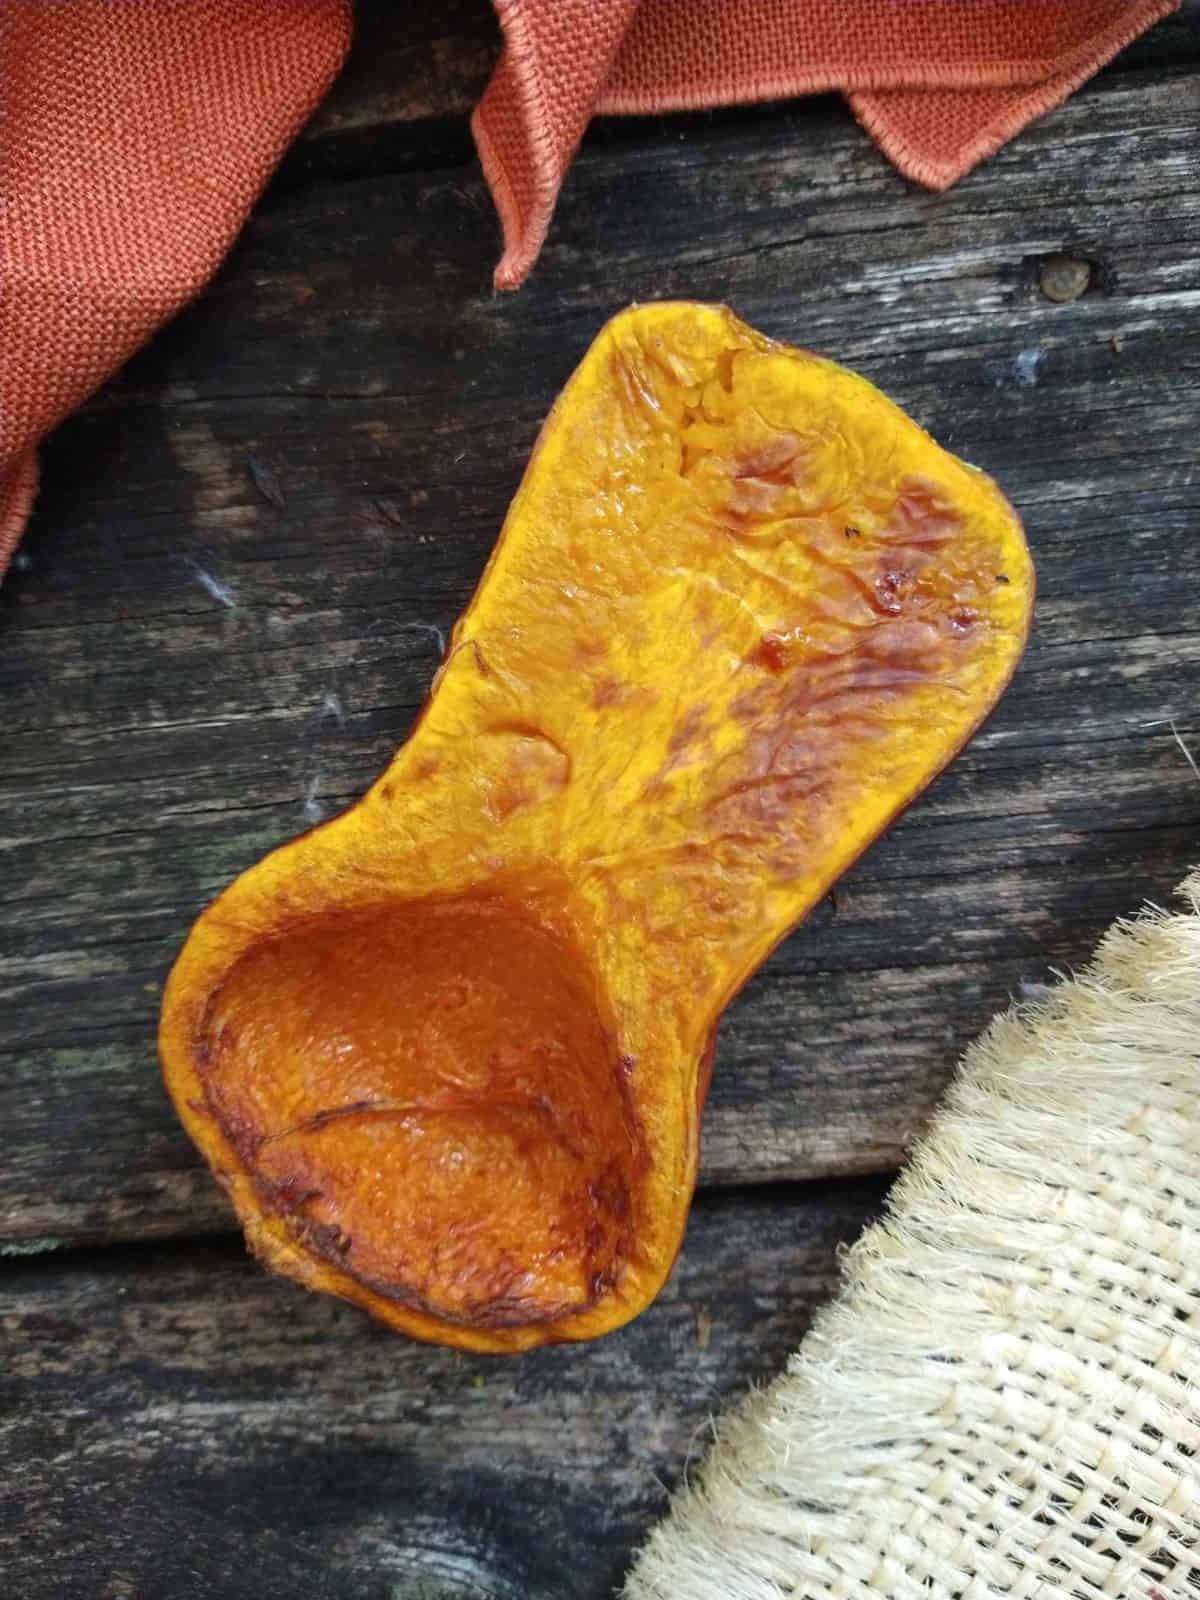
(429, 1093)
(449, 1051)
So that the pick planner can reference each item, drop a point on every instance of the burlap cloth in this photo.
(136, 134)
(1005, 1399)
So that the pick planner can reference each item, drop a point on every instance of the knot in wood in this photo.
(1063, 278)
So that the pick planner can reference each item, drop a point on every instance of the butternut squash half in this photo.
(448, 1051)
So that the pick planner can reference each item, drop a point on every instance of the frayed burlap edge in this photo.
(1004, 1398)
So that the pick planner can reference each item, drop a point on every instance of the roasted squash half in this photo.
(448, 1051)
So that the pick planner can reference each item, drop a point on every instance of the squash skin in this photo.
(741, 612)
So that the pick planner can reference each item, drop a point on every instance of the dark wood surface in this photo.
(223, 620)
(187, 1426)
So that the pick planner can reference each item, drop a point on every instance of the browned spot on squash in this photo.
(530, 768)
(688, 745)
(588, 651)
(773, 652)
(837, 692)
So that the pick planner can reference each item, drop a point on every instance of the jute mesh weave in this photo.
(1005, 1398)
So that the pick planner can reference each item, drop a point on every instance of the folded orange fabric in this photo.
(939, 84)
(135, 135)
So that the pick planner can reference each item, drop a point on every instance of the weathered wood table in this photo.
(247, 552)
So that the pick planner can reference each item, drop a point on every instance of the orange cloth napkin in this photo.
(939, 84)
(135, 135)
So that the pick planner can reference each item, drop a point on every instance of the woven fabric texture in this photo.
(135, 135)
(1005, 1399)
(940, 84)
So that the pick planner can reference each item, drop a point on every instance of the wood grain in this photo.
(189, 1426)
(191, 673)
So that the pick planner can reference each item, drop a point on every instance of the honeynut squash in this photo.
(448, 1052)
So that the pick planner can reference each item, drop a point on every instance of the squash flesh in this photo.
(411, 1065)
(741, 611)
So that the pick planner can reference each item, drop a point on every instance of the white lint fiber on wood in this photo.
(1005, 1397)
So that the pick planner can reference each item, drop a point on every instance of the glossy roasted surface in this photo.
(428, 1095)
(742, 610)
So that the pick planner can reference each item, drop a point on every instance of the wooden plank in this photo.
(410, 64)
(402, 100)
(188, 1425)
(189, 672)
